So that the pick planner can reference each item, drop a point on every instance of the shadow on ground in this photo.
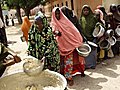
(87, 83)
(94, 77)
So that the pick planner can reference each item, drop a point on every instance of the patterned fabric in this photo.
(68, 68)
(72, 64)
(42, 43)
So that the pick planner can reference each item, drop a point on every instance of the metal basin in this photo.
(16, 79)
(84, 50)
(98, 31)
(117, 31)
(112, 40)
(104, 44)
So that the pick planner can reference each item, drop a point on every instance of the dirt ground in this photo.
(106, 76)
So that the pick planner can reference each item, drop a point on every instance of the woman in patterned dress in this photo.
(41, 43)
(68, 39)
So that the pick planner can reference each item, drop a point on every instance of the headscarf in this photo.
(101, 15)
(102, 8)
(1, 23)
(69, 14)
(43, 18)
(88, 23)
(70, 38)
(115, 12)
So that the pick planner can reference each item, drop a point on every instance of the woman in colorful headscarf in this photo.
(88, 22)
(68, 39)
(41, 43)
(25, 27)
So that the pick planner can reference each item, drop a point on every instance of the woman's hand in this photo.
(8, 62)
(17, 58)
(57, 33)
(12, 61)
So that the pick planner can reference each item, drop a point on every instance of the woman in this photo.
(114, 10)
(88, 22)
(25, 27)
(102, 53)
(68, 39)
(105, 18)
(41, 43)
(113, 25)
(69, 14)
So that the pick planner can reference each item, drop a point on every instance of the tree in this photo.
(15, 4)
(28, 5)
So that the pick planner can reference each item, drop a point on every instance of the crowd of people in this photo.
(57, 41)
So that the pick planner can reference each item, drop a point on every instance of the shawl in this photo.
(70, 38)
(69, 14)
(25, 27)
(101, 15)
(88, 23)
(114, 10)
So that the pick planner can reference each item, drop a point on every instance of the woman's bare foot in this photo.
(70, 82)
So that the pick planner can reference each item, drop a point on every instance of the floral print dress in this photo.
(42, 43)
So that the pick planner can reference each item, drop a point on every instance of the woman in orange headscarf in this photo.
(25, 27)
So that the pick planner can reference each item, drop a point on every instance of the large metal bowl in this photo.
(19, 80)
(84, 50)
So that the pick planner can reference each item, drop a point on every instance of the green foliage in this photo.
(4, 8)
(25, 3)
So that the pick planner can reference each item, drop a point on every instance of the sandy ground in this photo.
(106, 76)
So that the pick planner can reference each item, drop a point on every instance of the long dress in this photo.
(88, 24)
(42, 43)
(69, 40)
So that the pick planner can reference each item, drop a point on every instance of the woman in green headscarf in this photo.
(41, 43)
(88, 22)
